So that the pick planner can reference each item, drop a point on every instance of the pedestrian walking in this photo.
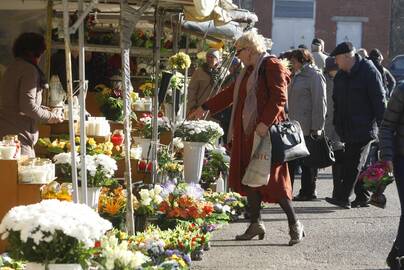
(258, 97)
(331, 69)
(318, 55)
(359, 104)
(388, 79)
(308, 105)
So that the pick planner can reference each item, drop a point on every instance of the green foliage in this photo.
(61, 249)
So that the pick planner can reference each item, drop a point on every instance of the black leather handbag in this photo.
(287, 141)
(321, 153)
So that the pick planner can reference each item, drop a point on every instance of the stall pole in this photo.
(156, 53)
(82, 101)
(184, 104)
(70, 98)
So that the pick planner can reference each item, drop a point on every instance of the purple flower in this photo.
(194, 190)
(168, 187)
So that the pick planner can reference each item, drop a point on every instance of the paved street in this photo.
(357, 239)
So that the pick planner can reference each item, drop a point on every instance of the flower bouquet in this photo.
(112, 205)
(53, 232)
(146, 89)
(200, 131)
(376, 178)
(116, 254)
(179, 61)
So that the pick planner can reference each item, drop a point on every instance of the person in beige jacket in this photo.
(202, 81)
(21, 93)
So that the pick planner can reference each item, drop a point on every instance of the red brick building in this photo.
(366, 23)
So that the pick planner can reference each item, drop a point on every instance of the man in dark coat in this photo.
(359, 104)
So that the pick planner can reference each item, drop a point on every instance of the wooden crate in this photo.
(13, 193)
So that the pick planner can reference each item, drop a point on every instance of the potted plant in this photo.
(217, 162)
(146, 130)
(146, 205)
(100, 169)
(195, 135)
(53, 232)
(112, 205)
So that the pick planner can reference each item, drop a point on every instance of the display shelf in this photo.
(136, 51)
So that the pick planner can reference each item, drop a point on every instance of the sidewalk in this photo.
(336, 238)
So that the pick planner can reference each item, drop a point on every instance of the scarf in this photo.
(249, 114)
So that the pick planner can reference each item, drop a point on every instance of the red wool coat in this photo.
(270, 102)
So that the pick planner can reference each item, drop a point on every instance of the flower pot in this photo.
(194, 153)
(93, 194)
(39, 266)
(140, 223)
(196, 255)
(145, 144)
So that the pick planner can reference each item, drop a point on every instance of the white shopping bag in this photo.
(259, 168)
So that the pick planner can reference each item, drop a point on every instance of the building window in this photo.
(244, 4)
(294, 9)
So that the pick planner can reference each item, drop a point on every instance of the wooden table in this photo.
(13, 193)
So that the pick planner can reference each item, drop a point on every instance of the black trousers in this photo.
(308, 177)
(354, 158)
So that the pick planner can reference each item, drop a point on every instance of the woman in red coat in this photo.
(258, 97)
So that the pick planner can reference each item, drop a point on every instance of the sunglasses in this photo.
(239, 51)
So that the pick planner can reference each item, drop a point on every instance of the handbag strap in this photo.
(263, 70)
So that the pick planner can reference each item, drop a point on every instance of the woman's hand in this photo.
(198, 113)
(262, 129)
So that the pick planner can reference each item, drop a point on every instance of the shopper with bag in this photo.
(391, 142)
(255, 109)
(308, 105)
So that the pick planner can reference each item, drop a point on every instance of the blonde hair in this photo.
(253, 40)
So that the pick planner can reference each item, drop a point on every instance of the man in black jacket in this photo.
(359, 104)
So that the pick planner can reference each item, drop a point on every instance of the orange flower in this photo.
(183, 213)
(193, 212)
(175, 212)
(164, 206)
(184, 201)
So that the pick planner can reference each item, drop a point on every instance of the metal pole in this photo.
(184, 104)
(82, 102)
(70, 98)
(125, 33)
(156, 53)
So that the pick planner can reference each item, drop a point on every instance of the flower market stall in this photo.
(163, 219)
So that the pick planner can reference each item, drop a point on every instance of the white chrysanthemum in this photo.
(76, 220)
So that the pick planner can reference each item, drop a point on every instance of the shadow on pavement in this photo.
(302, 210)
(243, 244)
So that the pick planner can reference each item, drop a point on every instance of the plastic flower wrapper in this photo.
(376, 178)
(54, 190)
(194, 191)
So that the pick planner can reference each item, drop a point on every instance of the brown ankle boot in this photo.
(253, 230)
(296, 233)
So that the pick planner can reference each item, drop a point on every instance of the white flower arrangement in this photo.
(162, 122)
(151, 197)
(200, 131)
(149, 200)
(65, 158)
(35, 230)
(115, 255)
(99, 167)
